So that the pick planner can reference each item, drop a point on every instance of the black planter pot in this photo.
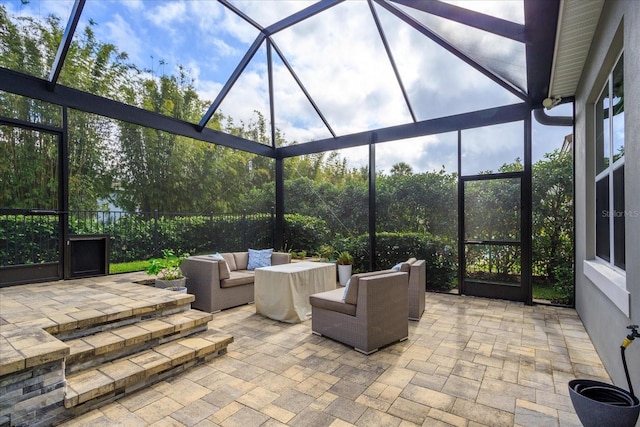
(600, 404)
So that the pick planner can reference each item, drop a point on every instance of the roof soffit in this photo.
(576, 27)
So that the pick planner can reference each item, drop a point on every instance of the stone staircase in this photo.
(98, 359)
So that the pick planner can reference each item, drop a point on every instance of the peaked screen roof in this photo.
(326, 71)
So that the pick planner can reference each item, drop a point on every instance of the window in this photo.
(609, 185)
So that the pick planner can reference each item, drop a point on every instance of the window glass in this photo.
(602, 218)
(602, 131)
(617, 118)
(609, 146)
(618, 217)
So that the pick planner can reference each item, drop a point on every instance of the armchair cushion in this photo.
(332, 300)
(351, 295)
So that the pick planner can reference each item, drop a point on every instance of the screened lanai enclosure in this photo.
(388, 128)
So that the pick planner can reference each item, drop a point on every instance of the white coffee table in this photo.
(282, 291)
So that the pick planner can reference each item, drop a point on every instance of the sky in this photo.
(340, 59)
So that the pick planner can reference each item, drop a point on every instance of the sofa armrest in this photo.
(278, 258)
(201, 272)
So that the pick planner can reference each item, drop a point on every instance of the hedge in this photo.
(27, 240)
(392, 248)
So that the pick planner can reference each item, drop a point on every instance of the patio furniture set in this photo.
(372, 311)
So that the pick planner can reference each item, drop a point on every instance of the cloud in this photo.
(339, 57)
(167, 14)
(512, 10)
(341, 61)
(223, 48)
(234, 26)
(133, 5)
(119, 32)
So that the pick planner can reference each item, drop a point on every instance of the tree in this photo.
(401, 169)
(421, 202)
(159, 170)
(29, 47)
(553, 212)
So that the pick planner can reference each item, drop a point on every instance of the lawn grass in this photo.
(127, 267)
(545, 292)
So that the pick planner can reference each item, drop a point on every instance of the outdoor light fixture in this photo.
(549, 103)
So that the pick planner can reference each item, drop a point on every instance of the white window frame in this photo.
(605, 275)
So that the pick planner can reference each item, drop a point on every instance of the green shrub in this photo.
(393, 248)
(303, 232)
(28, 240)
(564, 284)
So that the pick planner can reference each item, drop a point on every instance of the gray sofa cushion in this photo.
(231, 261)
(223, 269)
(238, 278)
(242, 260)
(332, 300)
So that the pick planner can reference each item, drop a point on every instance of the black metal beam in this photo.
(372, 204)
(300, 16)
(232, 80)
(526, 193)
(383, 37)
(278, 241)
(462, 267)
(272, 108)
(481, 21)
(302, 88)
(63, 47)
(451, 49)
(492, 116)
(63, 196)
(541, 19)
(23, 124)
(33, 87)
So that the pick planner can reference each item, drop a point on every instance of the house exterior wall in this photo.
(604, 316)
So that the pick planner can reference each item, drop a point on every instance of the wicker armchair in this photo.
(377, 317)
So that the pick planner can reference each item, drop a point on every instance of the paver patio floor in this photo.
(468, 362)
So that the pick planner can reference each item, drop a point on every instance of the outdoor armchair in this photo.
(377, 317)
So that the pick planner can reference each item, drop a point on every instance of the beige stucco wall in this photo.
(619, 28)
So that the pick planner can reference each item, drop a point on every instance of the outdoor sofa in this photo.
(219, 284)
(372, 314)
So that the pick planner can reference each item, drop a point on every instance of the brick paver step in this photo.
(136, 303)
(129, 373)
(116, 341)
